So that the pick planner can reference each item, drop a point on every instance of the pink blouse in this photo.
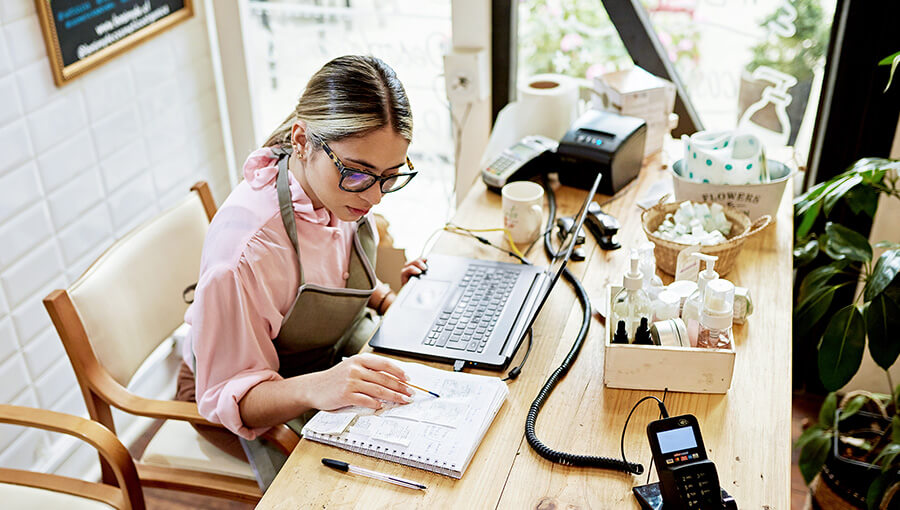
(249, 278)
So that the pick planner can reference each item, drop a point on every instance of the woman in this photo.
(287, 266)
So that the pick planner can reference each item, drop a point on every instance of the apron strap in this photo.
(285, 205)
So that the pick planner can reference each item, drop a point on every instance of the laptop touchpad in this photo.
(428, 294)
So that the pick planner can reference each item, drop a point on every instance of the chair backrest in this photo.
(130, 299)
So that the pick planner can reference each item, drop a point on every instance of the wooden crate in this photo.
(654, 367)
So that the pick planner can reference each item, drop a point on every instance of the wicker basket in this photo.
(666, 251)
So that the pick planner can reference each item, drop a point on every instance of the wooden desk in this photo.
(746, 431)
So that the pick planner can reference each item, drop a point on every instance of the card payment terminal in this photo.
(513, 163)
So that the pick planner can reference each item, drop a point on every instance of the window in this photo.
(286, 42)
(743, 62)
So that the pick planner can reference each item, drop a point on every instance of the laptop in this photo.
(471, 310)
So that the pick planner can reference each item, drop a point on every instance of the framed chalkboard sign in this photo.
(82, 34)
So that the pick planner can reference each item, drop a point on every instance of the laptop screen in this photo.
(556, 266)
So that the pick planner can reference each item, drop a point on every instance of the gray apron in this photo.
(323, 325)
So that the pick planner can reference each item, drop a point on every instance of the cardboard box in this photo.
(654, 367)
(637, 93)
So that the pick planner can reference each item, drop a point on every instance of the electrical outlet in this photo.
(466, 76)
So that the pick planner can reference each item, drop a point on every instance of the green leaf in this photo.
(816, 430)
(817, 278)
(841, 350)
(886, 269)
(826, 412)
(845, 242)
(862, 199)
(886, 61)
(808, 313)
(853, 406)
(893, 68)
(876, 492)
(813, 455)
(882, 323)
(809, 219)
(806, 253)
(838, 192)
(887, 456)
(887, 244)
(895, 429)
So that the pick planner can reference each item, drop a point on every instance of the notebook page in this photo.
(439, 432)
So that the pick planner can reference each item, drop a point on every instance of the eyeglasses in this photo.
(355, 180)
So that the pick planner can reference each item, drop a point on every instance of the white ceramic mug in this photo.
(522, 211)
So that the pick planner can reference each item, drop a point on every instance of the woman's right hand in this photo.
(360, 380)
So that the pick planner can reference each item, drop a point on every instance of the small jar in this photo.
(670, 332)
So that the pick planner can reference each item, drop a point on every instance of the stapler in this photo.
(565, 225)
(602, 226)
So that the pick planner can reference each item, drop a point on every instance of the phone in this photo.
(687, 478)
(513, 163)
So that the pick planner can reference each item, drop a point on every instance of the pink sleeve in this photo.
(232, 347)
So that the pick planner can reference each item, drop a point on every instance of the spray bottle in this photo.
(631, 303)
(690, 313)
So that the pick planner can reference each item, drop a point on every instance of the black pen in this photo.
(343, 466)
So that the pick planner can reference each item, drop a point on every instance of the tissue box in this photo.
(654, 367)
(637, 93)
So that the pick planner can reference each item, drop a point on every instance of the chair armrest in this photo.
(115, 394)
(91, 432)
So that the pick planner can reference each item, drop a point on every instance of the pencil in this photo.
(411, 385)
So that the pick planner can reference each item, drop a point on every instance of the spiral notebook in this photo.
(435, 434)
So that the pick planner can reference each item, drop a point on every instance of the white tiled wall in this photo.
(79, 167)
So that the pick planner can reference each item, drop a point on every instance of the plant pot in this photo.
(751, 91)
(844, 482)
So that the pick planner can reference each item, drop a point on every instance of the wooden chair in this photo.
(28, 489)
(117, 313)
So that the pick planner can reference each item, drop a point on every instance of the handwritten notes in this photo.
(438, 434)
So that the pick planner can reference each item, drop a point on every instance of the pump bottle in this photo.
(631, 303)
(653, 284)
(690, 313)
(716, 315)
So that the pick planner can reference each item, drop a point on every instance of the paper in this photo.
(438, 434)
(334, 423)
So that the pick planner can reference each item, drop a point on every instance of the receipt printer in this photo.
(602, 142)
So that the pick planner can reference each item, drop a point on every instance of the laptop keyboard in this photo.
(467, 324)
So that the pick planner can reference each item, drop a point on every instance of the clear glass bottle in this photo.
(690, 312)
(716, 315)
(631, 303)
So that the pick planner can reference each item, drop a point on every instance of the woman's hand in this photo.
(360, 380)
(413, 268)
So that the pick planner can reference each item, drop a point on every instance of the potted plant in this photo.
(795, 44)
(850, 452)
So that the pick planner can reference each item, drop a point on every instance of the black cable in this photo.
(518, 370)
(538, 446)
(662, 410)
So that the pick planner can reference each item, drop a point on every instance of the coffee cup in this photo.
(522, 212)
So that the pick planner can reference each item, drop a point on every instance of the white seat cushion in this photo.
(177, 444)
(19, 496)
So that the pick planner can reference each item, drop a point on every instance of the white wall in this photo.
(79, 167)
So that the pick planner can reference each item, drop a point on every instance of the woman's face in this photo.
(381, 152)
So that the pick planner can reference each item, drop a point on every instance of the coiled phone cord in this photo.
(543, 450)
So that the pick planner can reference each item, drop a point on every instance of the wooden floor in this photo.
(804, 407)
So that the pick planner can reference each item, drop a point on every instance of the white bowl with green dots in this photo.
(754, 199)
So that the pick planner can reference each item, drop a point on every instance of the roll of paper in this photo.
(547, 105)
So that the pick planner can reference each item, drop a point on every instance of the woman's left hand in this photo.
(413, 268)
